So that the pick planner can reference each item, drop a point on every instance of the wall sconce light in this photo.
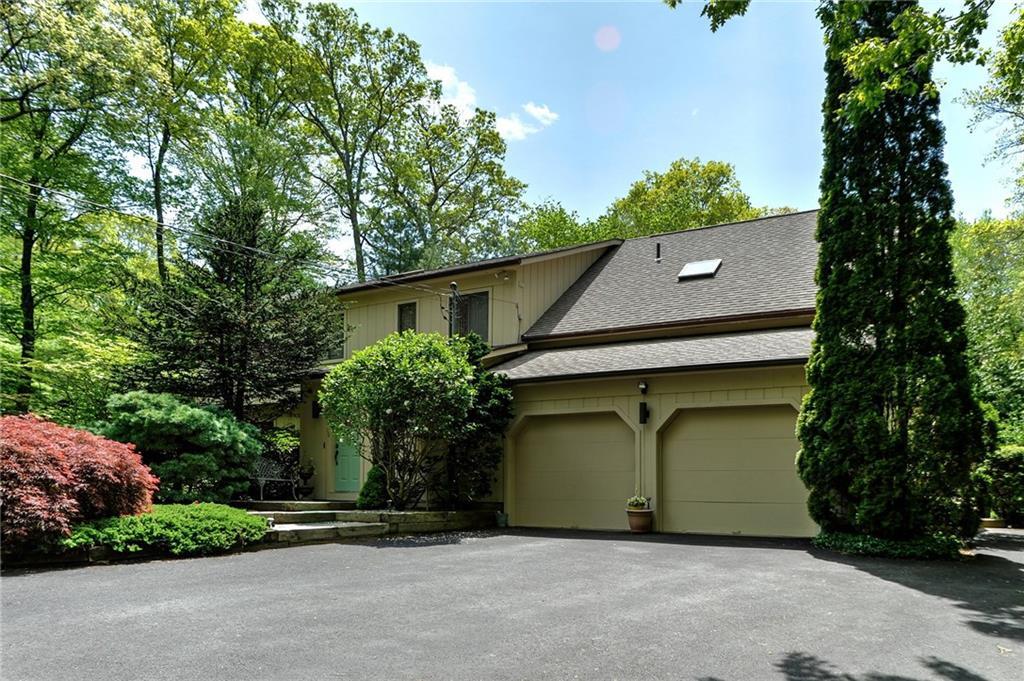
(642, 387)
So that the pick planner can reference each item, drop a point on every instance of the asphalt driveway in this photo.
(524, 606)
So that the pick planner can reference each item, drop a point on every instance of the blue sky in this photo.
(589, 95)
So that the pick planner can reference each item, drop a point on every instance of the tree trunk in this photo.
(158, 199)
(23, 385)
(357, 241)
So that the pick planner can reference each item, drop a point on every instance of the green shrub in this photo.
(924, 548)
(404, 395)
(192, 529)
(374, 493)
(1001, 475)
(475, 447)
(199, 453)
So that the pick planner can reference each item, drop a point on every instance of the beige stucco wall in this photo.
(667, 394)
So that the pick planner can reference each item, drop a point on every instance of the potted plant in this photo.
(639, 513)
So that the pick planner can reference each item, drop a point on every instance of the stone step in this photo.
(293, 533)
(302, 516)
(295, 505)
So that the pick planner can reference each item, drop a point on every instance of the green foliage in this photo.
(932, 547)
(890, 430)
(988, 259)
(1001, 476)
(467, 469)
(689, 194)
(181, 530)
(66, 76)
(199, 453)
(547, 226)
(1001, 99)
(403, 396)
(283, 446)
(637, 502)
(442, 194)
(374, 492)
(234, 325)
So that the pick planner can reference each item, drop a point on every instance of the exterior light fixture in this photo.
(642, 387)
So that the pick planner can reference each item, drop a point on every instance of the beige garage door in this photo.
(573, 471)
(732, 471)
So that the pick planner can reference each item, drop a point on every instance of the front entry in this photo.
(346, 467)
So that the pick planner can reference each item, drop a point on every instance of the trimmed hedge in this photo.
(52, 477)
(925, 548)
(179, 529)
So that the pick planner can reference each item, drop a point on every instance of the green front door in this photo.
(346, 467)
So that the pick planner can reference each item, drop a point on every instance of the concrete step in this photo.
(293, 533)
(295, 505)
(301, 516)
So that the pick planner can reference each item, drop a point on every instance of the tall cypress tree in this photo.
(890, 429)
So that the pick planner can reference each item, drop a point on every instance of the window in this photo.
(406, 317)
(469, 314)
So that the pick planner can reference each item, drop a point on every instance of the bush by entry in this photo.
(175, 529)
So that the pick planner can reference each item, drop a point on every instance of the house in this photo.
(670, 365)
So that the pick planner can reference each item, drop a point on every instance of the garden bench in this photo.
(268, 470)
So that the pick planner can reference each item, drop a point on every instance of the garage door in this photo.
(573, 471)
(732, 471)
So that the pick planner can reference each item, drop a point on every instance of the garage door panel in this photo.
(769, 520)
(736, 454)
(774, 421)
(576, 485)
(573, 514)
(732, 470)
(737, 486)
(574, 470)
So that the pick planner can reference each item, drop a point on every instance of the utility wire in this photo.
(323, 266)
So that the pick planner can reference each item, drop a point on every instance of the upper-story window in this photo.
(470, 314)
(406, 317)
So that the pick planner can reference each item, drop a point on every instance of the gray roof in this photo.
(775, 346)
(472, 266)
(767, 269)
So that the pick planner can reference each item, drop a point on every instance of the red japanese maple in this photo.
(52, 477)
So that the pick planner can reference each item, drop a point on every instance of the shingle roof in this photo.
(776, 346)
(419, 275)
(767, 268)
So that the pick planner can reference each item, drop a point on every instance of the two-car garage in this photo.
(717, 470)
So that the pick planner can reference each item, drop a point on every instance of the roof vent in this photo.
(699, 269)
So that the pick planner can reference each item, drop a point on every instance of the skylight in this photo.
(700, 268)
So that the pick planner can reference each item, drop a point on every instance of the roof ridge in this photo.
(724, 224)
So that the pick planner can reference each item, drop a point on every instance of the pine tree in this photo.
(890, 429)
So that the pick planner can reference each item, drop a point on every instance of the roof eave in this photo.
(789, 361)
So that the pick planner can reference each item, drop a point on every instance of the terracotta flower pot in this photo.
(640, 519)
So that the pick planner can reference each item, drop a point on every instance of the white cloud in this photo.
(541, 113)
(462, 96)
(454, 91)
(512, 127)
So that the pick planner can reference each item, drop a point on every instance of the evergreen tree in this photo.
(242, 319)
(889, 430)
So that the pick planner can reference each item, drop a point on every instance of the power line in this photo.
(324, 267)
